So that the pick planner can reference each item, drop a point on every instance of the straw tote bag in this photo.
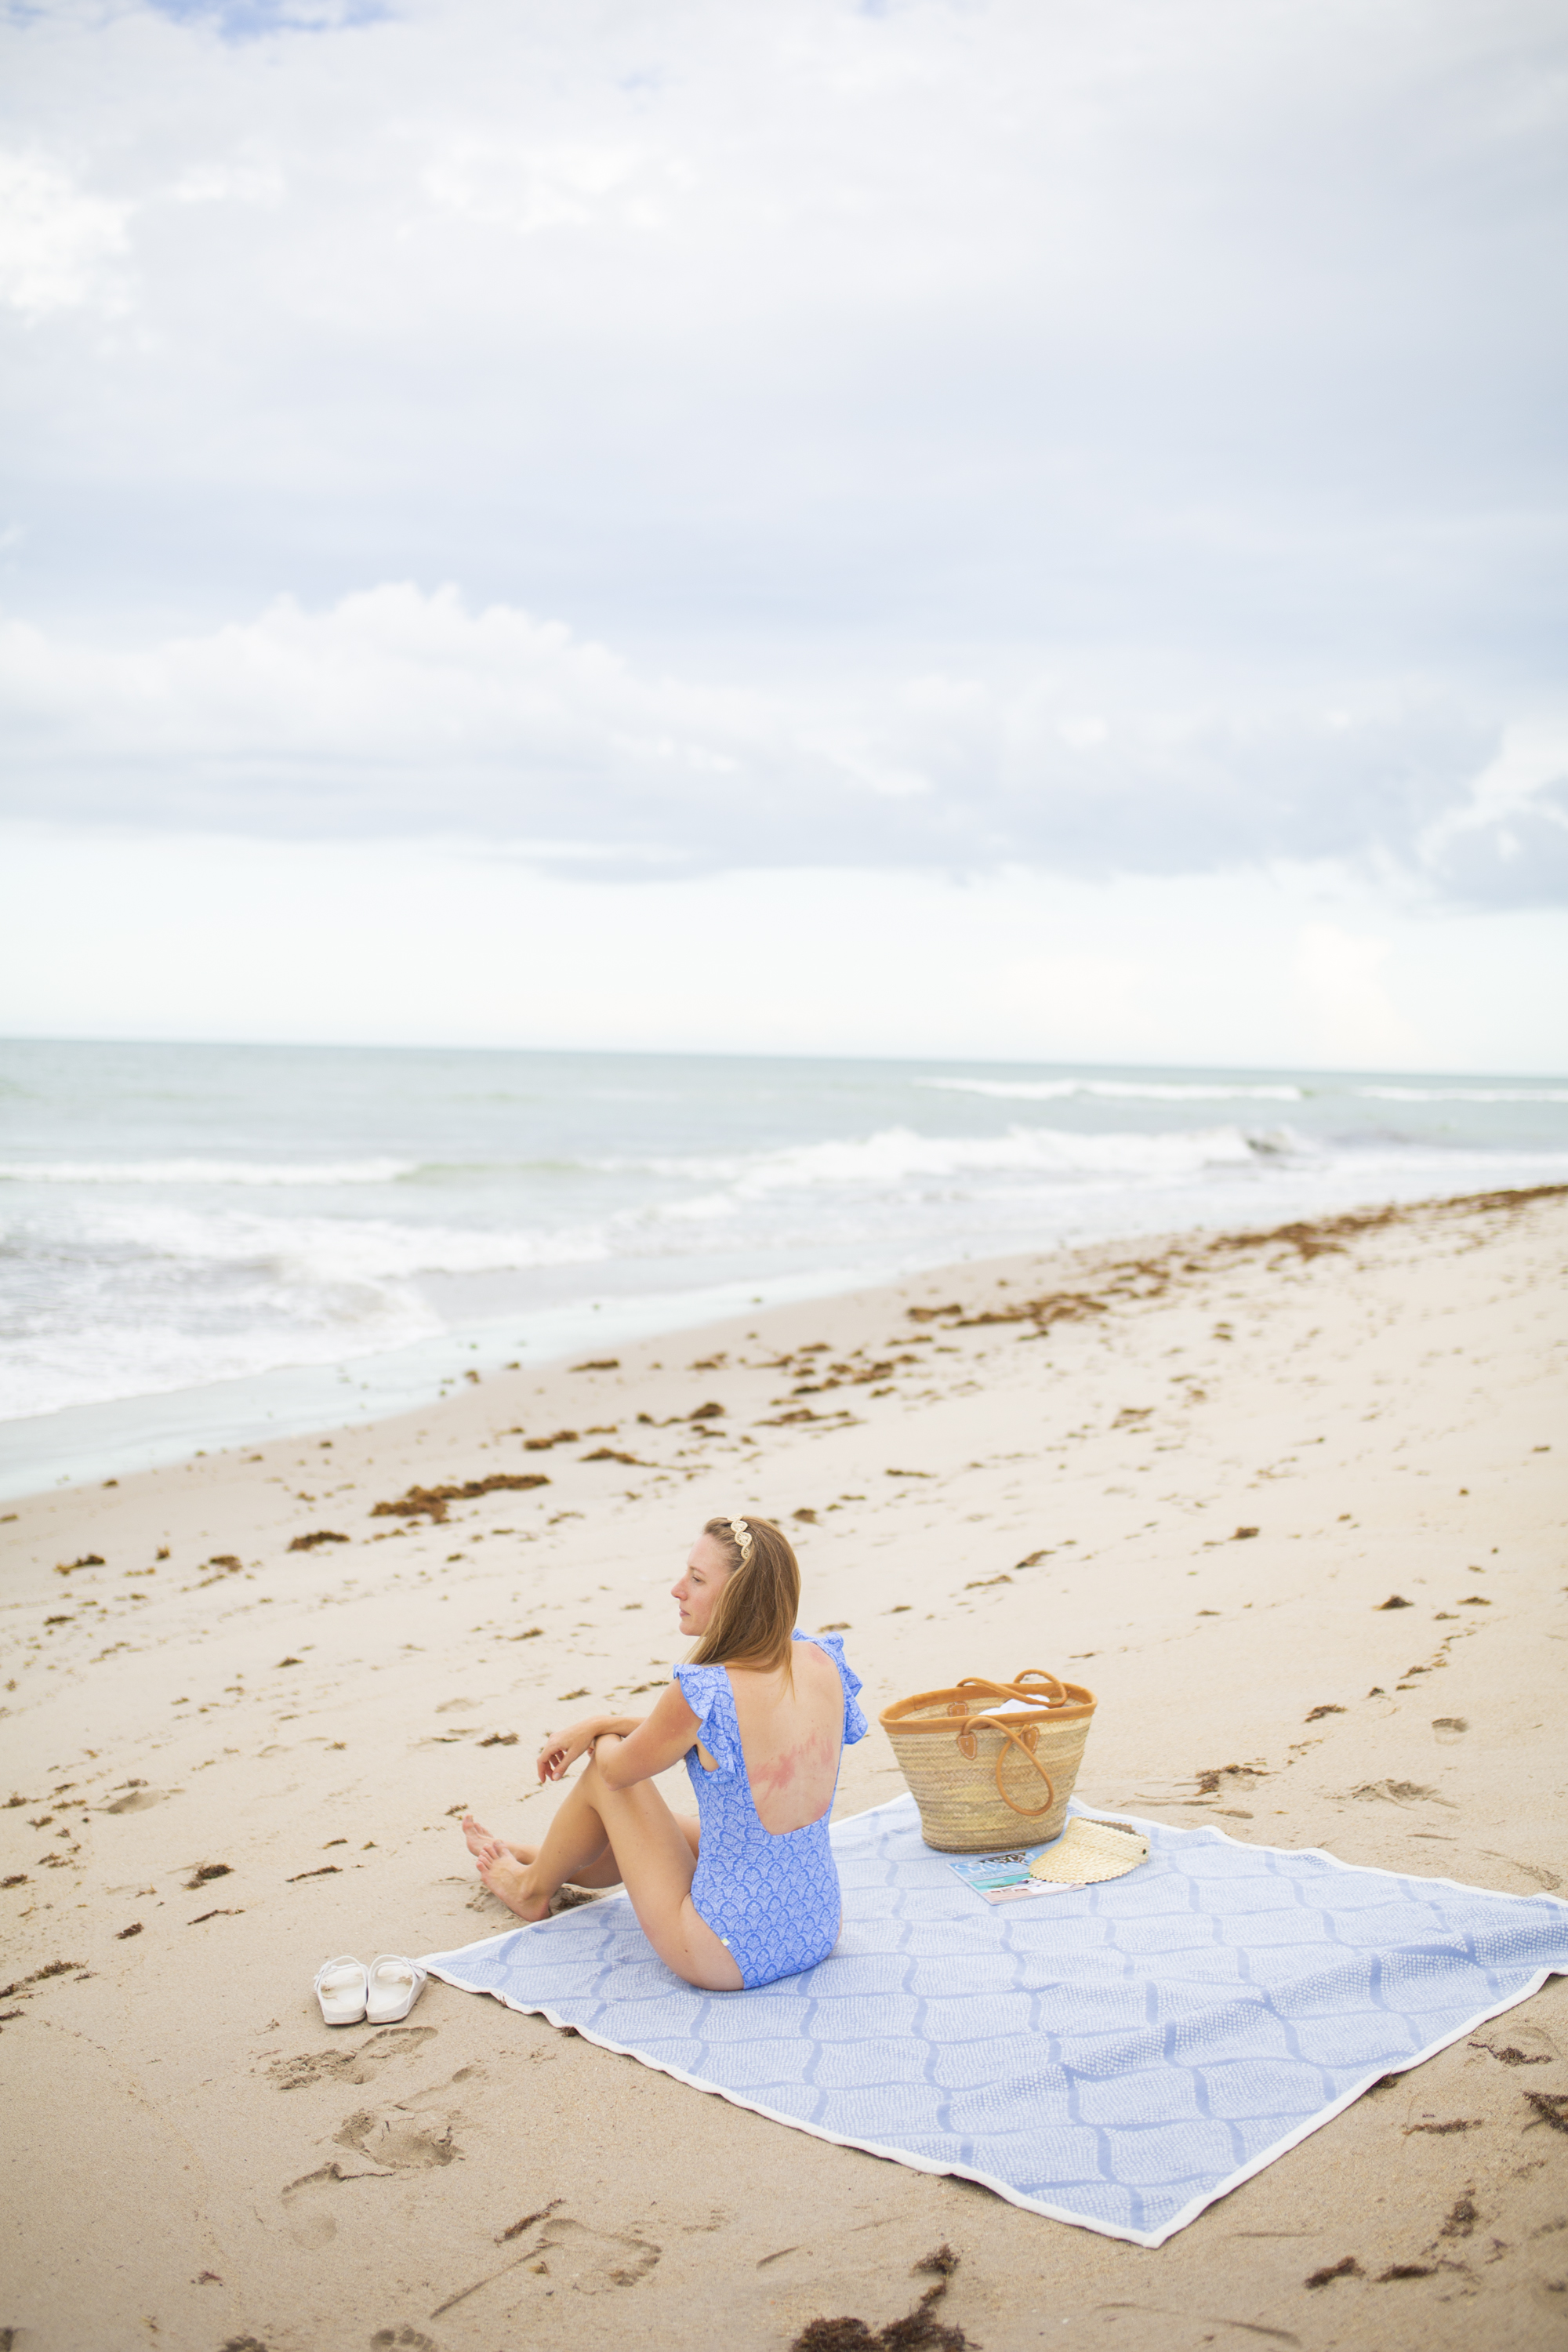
(983, 1780)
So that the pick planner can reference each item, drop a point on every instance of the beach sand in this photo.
(1185, 1473)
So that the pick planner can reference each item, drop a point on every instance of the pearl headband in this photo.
(743, 1535)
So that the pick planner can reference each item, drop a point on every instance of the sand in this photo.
(1190, 1482)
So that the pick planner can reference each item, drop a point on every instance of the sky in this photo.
(1012, 527)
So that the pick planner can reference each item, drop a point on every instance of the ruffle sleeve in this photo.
(854, 1723)
(699, 1689)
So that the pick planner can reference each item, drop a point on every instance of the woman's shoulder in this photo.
(698, 1685)
(831, 1644)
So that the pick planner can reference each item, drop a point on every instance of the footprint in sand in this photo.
(397, 2140)
(1402, 1793)
(400, 2139)
(138, 1800)
(359, 2064)
(558, 2251)
(401, 2339)
(309, 2204)
(595, 2261)
(1547, 1879)
(1513, 2043)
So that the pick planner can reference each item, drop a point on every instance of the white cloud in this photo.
(396, 712)
(234, 180)
(955, 435)
(1162, 320)
(556, 186)
(56, 241)
(1508, 840)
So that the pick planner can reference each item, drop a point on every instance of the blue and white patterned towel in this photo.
(1117, 2056)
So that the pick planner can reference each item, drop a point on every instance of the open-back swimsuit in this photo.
(772, 1898)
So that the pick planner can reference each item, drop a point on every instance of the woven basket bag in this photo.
(983, 1780)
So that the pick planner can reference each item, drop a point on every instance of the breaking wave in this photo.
(1115, 1090)
(303, 1220)
(205, 1172)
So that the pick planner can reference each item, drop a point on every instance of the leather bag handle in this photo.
(1058, 1690)
(1055, 1695)
(1024, 1741)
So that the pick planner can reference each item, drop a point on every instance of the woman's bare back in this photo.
(791, 1737)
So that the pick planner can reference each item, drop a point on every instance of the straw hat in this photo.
(1088, 1852)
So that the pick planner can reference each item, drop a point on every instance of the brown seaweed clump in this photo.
(430, 1502)
(920, 2329)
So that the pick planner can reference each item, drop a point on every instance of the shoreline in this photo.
(1193, 1469)
(75, 1446)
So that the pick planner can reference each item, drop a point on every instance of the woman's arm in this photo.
(561, 1749)
(646, 1745)
(656, 1743)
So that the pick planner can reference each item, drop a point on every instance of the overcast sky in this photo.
(1084, 447)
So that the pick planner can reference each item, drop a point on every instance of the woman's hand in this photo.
(561, 1749)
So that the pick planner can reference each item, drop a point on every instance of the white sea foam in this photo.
(205, 1172)
(153, 1296)
(1113, 1090)
(96, 1361)
(894, 1156)
(335, 1250)
(1464, 1093)
(291, 1211)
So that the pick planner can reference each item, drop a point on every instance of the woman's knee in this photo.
(593, 1781)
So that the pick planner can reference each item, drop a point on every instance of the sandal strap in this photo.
(343, 1960)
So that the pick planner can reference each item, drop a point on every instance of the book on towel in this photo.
(1003, 1877)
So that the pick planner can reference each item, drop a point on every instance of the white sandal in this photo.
(393, 1985)
(341, 1989)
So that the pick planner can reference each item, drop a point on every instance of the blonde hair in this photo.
(753, 1622)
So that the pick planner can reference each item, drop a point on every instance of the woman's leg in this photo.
(577, 1841)
(655, 1857)
(606, 1872)
(598, 1870)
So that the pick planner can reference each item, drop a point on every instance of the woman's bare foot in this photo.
(478, 1840)
(506, 1880)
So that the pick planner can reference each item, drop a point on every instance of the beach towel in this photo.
(1117, 2056)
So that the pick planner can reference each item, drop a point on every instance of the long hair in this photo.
(753, 1622)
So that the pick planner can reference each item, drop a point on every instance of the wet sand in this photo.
(244, 1709)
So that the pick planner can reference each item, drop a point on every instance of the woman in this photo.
(749, 1890)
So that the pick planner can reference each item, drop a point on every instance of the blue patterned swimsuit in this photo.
(772, 1900)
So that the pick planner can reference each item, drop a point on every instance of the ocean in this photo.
(201, 1245)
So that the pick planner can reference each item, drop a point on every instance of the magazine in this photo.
(1004, 1878)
